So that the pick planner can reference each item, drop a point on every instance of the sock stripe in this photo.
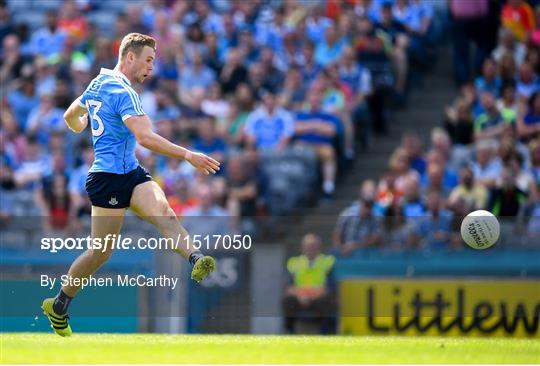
(54, 322)
(60, 328)
(56, 317)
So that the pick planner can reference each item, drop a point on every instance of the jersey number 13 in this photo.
(93, 108)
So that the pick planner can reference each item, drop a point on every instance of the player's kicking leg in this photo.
(149, 202)
(104, 221)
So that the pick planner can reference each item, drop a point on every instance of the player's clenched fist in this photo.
(203, 162)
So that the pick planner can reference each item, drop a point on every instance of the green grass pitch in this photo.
(238, 349)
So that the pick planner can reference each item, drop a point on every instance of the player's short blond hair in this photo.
(135, 42)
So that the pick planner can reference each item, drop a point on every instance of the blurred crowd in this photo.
(484, 155)
(233, 79)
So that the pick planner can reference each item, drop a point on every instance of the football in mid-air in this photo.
(480, 229)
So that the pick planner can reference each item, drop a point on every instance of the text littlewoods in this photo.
(440, 307)
(481, 319)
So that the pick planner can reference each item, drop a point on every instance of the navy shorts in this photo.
(109, 190)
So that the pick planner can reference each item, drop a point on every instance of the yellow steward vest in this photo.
(306, 276)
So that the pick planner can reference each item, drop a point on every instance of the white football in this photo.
(480, 229)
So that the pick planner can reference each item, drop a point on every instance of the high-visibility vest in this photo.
(314, 276)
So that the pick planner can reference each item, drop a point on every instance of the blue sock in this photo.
(61, 303)
(194, 257)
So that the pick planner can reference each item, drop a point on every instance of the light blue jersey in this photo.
(110, 100)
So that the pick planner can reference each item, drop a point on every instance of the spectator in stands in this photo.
(247, 47)
(6, 26)
(358, 79)
(507, 69)
(33, 166)
(214, 104)
(311, 286)
(434, 180)
(163, 33)
(518, 17)
(273, 76)
(469, 24)
(50, 39)
(331, 48)
(387, 192)
(410, 141)
(397, 40)
(319, 130)
(290, 53)
(210, 21)
(433, 231)
(491, 123)
(208, 142)
(240, 108)
(233, 72)
(77, 182)
(45, 119)
(134, 18)
(396, 233)
(508, 103)
(72, 22)
(509, 48)
(45, 76)
(401, 168)
(528, 122)
(436, 158)
(207, 218)
(53, 197)
(317, 24)
(357, 229)
(242, 193)
(294, 89)
(506, 199)
(269, 127)
(194, 76)
(368, 190)
(165, 106)
(22, 101)
(488, 81)
(459, 123)
(229, 38)
(214, 55)
(12, 61)
(121, 28)
(103, 55)
(527, 81)
(411, 204)
(487, 166)
(310, 68)
(337, 99)
(182, 199)
(172, 171)
(419, 24)
(473, 195)
(442, 144)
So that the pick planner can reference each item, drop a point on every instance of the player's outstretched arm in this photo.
(141, 126)
(76, 117)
